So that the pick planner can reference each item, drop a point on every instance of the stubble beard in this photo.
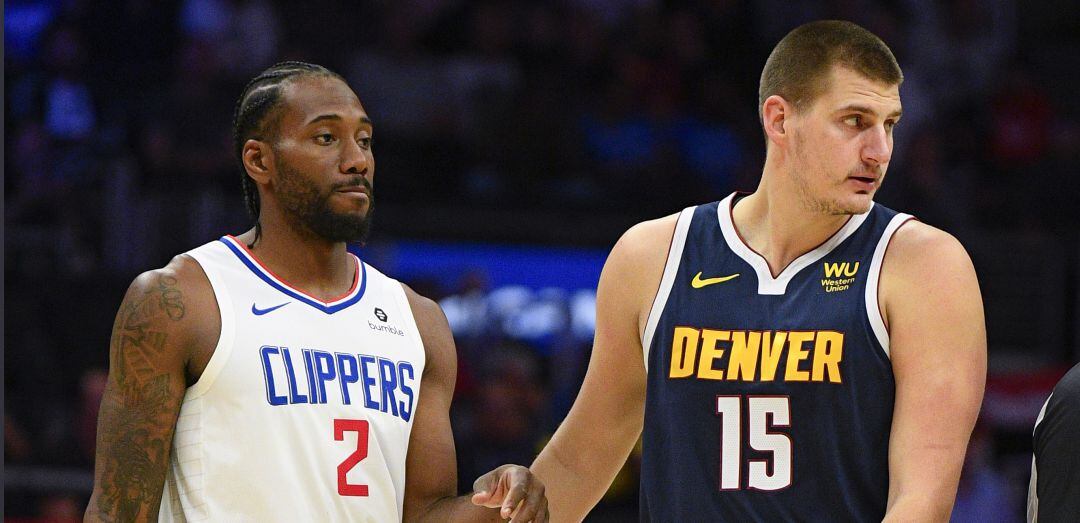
(814, 203)
(310, 209)
(811, 202)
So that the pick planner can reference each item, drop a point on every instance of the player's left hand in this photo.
(516, 490)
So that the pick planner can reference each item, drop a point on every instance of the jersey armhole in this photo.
(873, 308)
(406, 309)
(223, 348)
(671, 269)
(1033, 482)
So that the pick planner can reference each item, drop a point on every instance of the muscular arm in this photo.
(148, 357)
(584, 455)
(933, 308)
(431, 465)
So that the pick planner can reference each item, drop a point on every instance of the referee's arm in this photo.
(1054, 492)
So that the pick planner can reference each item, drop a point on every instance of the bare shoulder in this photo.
(648, 240)
(430, 319)
(178, 303)
(639, 256)
(632, 273)
(926, 269)
(434, 331)
(923, 251)
(172, 290)
(424, 309)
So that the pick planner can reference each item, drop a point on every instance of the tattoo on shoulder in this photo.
(138, 410)
(136, 339)
(171, 299)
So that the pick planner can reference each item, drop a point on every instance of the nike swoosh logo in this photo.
(698, 283)
(259, 312)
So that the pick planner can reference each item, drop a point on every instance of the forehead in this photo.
(846, 87)
(309, 97)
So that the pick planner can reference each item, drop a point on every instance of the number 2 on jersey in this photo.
(360, 427)
(760, 411)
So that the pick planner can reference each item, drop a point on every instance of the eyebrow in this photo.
(864, 109)
(336, 118)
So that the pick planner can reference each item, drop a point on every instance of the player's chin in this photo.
(358, 208)
(858, 202)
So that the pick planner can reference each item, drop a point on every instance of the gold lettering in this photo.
(771, 349)
(683, 351)
(833, 270)
(742, 362)
(797, 353)
(710, 352)
(854, 270)
(828, 351)
(699, 353)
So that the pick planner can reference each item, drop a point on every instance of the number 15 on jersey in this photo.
(762, 414)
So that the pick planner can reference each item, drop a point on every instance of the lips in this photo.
(863, 184)
(359, 189)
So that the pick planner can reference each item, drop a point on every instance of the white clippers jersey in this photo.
(305, 408)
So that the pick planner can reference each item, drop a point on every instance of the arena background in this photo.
(515, 141)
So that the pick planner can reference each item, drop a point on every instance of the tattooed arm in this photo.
(162, 337)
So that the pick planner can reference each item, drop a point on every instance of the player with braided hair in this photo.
(261, 95)
(273, 375)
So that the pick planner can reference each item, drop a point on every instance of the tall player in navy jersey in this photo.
(795, 354)
(274, 376)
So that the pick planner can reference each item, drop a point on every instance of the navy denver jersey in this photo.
(769, 398)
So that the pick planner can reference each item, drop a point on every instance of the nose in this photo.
(355, 159)
(877, 149)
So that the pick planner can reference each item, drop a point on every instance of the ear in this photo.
(774, 113)
(258, 159)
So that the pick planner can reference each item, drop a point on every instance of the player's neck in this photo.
(319, 267)
(776, 224)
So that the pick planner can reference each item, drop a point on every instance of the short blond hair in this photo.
(798, 67)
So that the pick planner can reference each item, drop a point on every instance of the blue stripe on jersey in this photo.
(767, 407)
(329, 309)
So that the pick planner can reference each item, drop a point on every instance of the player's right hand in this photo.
(516, 491)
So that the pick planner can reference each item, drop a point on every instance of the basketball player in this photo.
(794, 354)
(274, 376)
(1054, 490)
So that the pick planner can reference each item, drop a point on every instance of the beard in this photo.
(816, 204)
(809, 196)
(311, 208)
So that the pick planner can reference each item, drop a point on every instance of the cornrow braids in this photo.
(260, 97)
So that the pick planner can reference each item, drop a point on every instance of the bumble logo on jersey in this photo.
(381, 384)
(839, 276)
(739, 355)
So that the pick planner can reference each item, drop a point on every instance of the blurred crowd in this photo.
(118, 156)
